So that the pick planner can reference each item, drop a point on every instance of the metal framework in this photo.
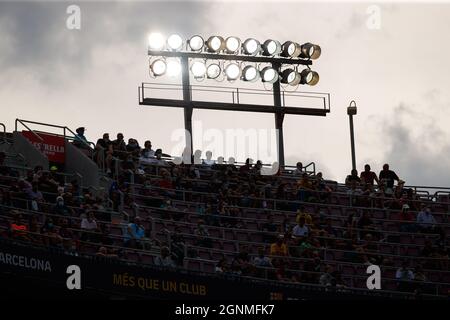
(278, 107)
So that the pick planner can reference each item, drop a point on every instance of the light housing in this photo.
(291, 49)
(156, 41)
(269, 75)
(196, 43)
(215, 44)
(309, 77)
(198, 69)
(271, 47)
(173, 68)
(232, 71)
(174, 42)
(232, 45)
(158, 67)
(250, 74)
(213, 71)
(291, 77)
(251, 47)
(311, 51)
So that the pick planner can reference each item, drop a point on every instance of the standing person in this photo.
(80, 140)
(104, 152)
(387, 177)
(368, 176)
(119, 147)
(147, 152)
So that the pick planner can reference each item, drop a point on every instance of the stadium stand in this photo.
(227, 220)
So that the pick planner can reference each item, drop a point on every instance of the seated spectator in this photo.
(261, 260)
(298, 171)
(35, 196)
(279, 248)
(387, 178)
(407, 219)
(327, 279)
(222, 266)
(302, 212)
(164, 259)
(353, 178)
(368, 177)
(147, 152)
(305, 188)
(60, 208)
(404, 275)
(18, 228)
(89, 223)
(301, 229)
(426, 221)
(209, 161)
(269, 228)
(202, 233)
(365, 224)
(135, 234)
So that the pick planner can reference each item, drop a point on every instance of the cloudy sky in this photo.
(398, 74)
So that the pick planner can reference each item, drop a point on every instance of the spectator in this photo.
(298, 171)
(368, 176)
(80, 140)
(353, 178)
(202, 233)
(103, 152)
(89, 223)
(35, 196)
(327, 279)
(135, 234)
(209, 161)
(279, 248)
(365, 224)
(147, 152)
(119, 147)
(387, 178)
(425, 220)
(301, 229)
(222, 266)
(164, 259)
(60, 208)
(404, 277)
(261, 260)
(303, 213)
(133, 146)
(17, 228)
(407, 220)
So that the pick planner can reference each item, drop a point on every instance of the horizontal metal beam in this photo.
(233, 57)
(232, 107)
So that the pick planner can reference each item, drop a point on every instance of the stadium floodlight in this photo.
(215, 44)
(291, 77)
(173, 68)
(196, 43)
(251, 47)
(250, 74)
(271, 48)
(198, 69)
(213, 71)
(156, 41)
(291, 49)
(311, 51)
(158, 67)
(232, 71)
(174, 42)
(269, 74)
(309, 77)
(232, 45)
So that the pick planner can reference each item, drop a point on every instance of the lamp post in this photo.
(351, 111)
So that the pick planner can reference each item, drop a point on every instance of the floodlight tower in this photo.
(228, 58)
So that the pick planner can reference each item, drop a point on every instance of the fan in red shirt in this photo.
(368, 177)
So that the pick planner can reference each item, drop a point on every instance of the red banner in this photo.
(50, 145)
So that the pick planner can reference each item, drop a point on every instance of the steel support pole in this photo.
(187, 97)
(279, 117)
(352, 141)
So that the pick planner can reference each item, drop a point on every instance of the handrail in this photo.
(32, 131)
(4, 131)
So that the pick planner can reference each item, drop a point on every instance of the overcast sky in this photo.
(398, 75)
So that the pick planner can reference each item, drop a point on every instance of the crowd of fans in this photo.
(218, 194)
